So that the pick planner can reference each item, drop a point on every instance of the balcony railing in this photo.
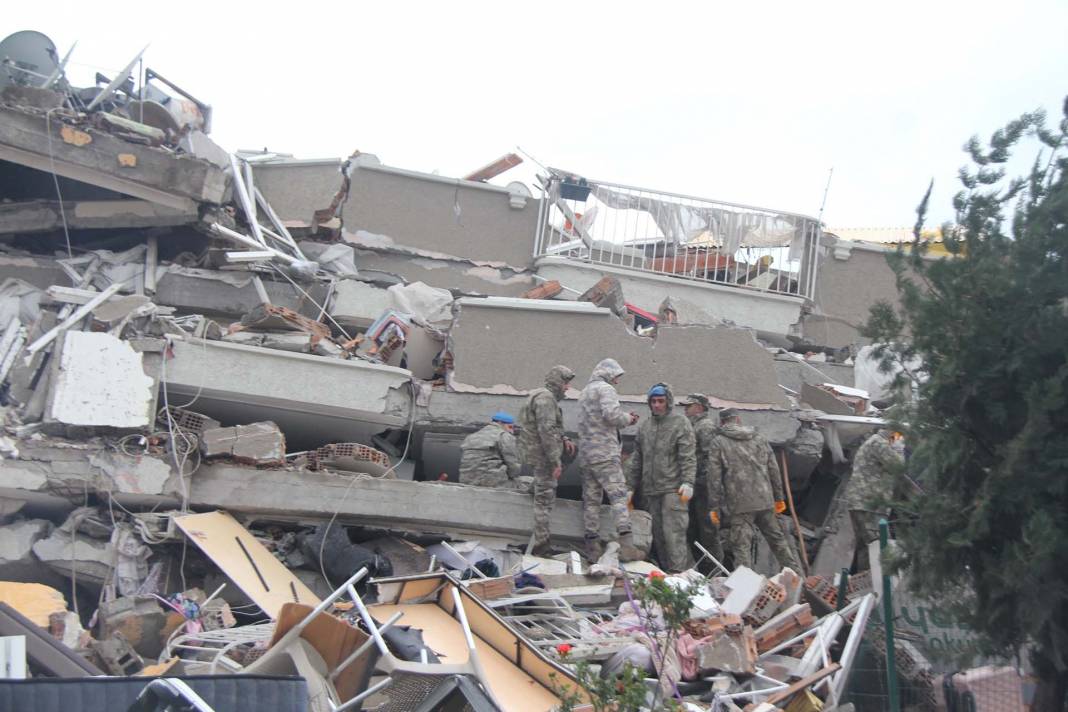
(677, 235)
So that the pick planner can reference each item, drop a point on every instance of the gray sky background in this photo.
(748, 104)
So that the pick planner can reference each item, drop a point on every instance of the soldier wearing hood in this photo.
(869, 487)
(600, 419)
(488, 457)
(705, 430)
(745, 491)
(544, 447)
(663, 467)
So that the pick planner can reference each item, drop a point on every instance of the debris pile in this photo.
(230, 434)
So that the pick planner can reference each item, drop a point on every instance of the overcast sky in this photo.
(745, 102)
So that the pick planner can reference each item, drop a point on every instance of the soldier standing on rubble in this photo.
(600, 418)
(663, 467)
(544, 447)
(704, 430)
(488, 456)
(870, 485)
(745, 487)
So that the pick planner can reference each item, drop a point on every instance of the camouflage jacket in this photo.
(743, 475)
(664, 456)
(600, 415)
(541, 434)
(488, 457)
(874, 467)
(705, 431)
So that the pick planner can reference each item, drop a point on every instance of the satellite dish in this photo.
(152, 113)
(28, 59)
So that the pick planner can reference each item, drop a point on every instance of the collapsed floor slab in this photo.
(420, 507)
(311, 398)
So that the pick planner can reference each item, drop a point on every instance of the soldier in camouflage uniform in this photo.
(543, 446)
(488, 457)
(870, 485)
(600, 419)
(745, 487)
(704, 430)
(663, 467)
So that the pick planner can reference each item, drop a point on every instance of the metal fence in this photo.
(677, 235)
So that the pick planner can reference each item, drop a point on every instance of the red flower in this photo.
(563, 649)
(654, 575)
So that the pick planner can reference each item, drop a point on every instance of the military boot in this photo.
(594, 550)
(627, 550)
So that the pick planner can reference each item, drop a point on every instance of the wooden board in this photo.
(514, 689)
(216, 534)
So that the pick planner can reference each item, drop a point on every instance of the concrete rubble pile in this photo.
(228, 386)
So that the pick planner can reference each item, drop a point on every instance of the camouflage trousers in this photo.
(544, 498)
(741, 529)
(865, 531)
(599, 479)
(703, 530)
(671, 519)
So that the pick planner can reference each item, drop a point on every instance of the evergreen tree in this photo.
(984, 526)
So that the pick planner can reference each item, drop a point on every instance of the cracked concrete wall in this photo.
(296, 190)
(420, 213)
(508, 350)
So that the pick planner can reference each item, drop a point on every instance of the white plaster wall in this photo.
(697, 303)
(100, 381)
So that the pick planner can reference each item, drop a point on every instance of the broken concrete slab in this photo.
(47, 215)
(41, 272)
(88, 561)
(254, 444)
(297, 189)
(446, 509)
(92, 156)
(733, 650)
(100, 381)
(459, 276)
(233, 294)
(312, 399)
(493, 351)
(17, 562)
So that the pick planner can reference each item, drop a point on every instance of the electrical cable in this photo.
(55, 180)
(322, 307)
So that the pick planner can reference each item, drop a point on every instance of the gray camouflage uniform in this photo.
(489, 459)
(743, 485)
(600, 419)
(705, 430)
(664, 460)
(871, 483)
(541, 441)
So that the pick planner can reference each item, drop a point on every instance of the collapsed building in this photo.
(198, 346)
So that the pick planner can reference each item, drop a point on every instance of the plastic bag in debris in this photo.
(19, 299)
(407, 643)
(427, 305)
(335, 258)
(636, 654)
(340, 557)
(301, 270)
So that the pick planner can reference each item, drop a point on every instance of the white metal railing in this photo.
(677, 235)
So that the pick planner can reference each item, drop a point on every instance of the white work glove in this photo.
(686, 493)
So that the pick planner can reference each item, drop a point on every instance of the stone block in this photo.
(63, 552)
(732, 651)
(17, 562)
(139, 619)
(254, 444)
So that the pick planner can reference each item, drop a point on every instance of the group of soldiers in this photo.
(723, 476)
